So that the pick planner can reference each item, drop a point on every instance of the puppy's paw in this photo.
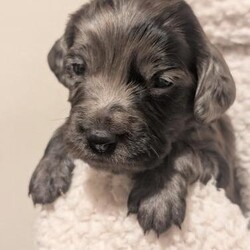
(51, 179)
(158, 211)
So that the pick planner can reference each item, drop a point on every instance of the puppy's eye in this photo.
(162, 83)
(78, 68)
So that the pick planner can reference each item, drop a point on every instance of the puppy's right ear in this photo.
(56, 60)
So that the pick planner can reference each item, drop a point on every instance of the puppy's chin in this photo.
(110, 163)
(122, 168)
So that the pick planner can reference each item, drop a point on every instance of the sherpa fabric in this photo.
(93, 214)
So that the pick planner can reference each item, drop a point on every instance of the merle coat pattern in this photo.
(148, 93)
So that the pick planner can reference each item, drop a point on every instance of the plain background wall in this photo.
(32, 105)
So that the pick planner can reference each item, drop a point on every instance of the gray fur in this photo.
(111, 58)
(52, 176)
(216, 89)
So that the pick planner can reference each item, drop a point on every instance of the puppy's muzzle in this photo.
(101, 142)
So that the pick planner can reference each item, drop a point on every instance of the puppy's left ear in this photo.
(216, 88)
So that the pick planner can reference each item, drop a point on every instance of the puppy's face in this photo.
(132, 72)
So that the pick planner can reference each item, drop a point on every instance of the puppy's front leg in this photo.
(52, 176)
(159, 195)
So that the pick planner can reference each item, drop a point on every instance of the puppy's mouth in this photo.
(132, 150)
(114, 158)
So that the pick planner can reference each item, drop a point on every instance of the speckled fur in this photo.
(171, 138)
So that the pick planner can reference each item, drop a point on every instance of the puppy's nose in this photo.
(102, 142)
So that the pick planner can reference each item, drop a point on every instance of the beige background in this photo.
(32, 105)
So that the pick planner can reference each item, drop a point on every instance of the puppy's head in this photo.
(140, 74)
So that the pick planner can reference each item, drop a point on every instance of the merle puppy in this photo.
(148, 93)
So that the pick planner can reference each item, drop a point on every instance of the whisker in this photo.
(154, 151)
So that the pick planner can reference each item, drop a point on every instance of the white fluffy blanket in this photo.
(92, 215)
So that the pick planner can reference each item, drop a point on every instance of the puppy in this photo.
(148, 94)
